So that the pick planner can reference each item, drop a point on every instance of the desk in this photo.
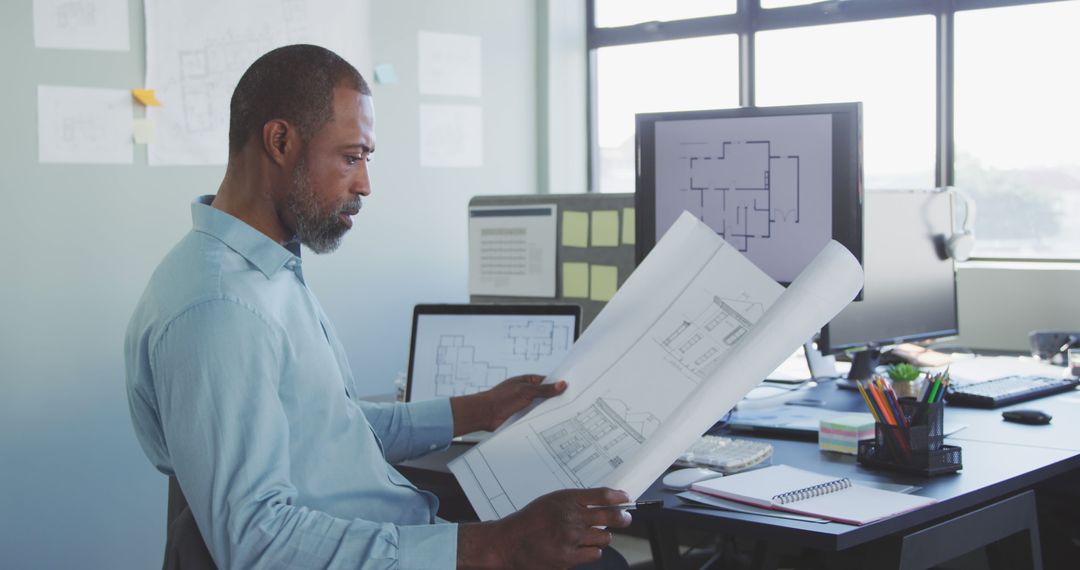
(1001, 460)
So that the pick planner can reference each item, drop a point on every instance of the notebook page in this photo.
(759, 486)
(858, 505)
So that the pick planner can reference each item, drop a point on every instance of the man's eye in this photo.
(351, 160)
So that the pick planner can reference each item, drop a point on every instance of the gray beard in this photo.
(321, 232)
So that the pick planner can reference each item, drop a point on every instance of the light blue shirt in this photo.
(240, 388)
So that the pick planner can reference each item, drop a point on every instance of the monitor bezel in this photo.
(846, 168)
(424, 309)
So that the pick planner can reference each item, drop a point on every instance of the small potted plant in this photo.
(906, 380)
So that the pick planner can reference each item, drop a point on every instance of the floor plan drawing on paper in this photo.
(459, 371)
(590, 444)
(696, 344)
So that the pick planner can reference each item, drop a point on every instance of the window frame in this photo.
(750, 18)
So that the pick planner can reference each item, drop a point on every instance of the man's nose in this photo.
(362, 182)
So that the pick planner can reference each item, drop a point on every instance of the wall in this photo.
(80, 242)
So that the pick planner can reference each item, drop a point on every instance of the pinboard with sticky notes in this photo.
(593, 244)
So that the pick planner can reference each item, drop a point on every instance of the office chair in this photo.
(184, 546)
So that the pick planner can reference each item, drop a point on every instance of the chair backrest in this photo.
(184, 545)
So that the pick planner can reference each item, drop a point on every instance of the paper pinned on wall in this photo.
(605, 228)
(575, 229)
(385, 74)
(603, 282)
(194, 67)
(512, 250)
(575, 280)
(81, 24)
(82, 125)
(451, 136)
(145, 132)
(450, 64)
(629, 226)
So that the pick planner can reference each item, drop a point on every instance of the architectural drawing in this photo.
(595, 441)
(459, 371)
(696, 344)
(741, 189)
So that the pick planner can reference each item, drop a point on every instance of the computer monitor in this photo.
(776, 182)
(460, 349)
(910, 282)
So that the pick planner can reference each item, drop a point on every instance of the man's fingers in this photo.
(600, 496)
(613, 517)
(586, 554)
(595, 537)
(550, 390)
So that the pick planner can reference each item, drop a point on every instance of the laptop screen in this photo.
(464, 349)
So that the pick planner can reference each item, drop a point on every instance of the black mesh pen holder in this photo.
(918, 448)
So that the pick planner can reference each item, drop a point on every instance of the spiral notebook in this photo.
(786, 488)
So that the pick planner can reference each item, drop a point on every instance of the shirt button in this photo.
(433, 447)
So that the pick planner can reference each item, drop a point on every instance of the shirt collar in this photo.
(256, 247)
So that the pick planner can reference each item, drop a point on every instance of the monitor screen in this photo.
(776, 182)
(463, 349)
(910, 286)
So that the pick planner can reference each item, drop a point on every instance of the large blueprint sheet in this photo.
(693, 329)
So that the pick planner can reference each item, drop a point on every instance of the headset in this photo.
(961, 243)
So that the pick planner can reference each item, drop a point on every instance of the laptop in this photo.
(463, 349)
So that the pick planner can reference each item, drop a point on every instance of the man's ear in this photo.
(278, 139)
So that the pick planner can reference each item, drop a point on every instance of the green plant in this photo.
(903, 372)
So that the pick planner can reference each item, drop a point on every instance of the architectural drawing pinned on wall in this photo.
(450, 64)
(451, 136)
(82, 125)
(81, 24)
(197, 50)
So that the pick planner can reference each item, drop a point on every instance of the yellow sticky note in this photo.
(604, 280)
(144, 131)
(605, 228)
(628, 226)
(575, 280)
(146, 97)
(575, 229)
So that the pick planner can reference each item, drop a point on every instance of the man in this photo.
(240, 388)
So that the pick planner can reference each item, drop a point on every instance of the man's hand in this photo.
(489, 409)
(555, 531)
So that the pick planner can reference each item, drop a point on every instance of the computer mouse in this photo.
(681, 479)
(1034, 417)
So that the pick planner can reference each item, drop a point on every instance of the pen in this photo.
(632, 506)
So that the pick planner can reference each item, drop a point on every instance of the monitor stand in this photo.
(864, 363)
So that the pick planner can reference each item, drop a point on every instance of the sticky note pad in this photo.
(144, 131)
(629, 230)
(146, 97)
(605, 228)
(842, 433)
(603, 281)
(575, 280)
(575, 229)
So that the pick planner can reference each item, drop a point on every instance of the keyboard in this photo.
(1008, 390)
(726, 454)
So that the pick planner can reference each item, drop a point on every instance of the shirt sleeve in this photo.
(413, 429)
(216, 372)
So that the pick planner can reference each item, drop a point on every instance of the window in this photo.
(891, 72)
(1017, 120)
(975, 94)
(641, 78)
(610, 13)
